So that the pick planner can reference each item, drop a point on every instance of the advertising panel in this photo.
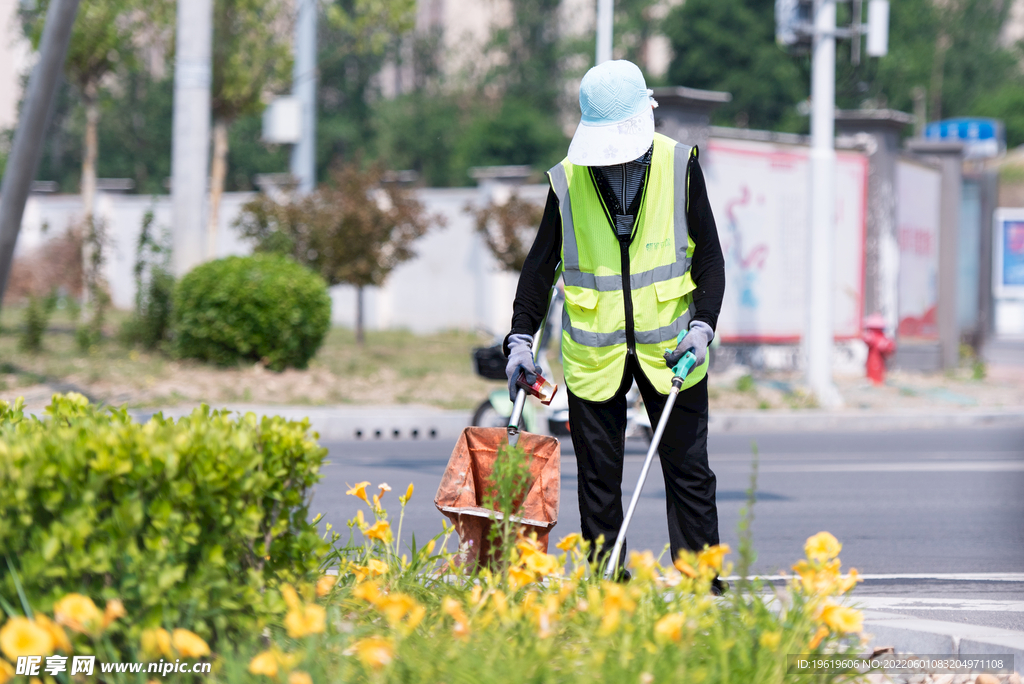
(1008, 274)
(917, 226)
(759, 194)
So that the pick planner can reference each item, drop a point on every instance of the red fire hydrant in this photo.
(879, 347)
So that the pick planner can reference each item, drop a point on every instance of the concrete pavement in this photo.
(934, 519)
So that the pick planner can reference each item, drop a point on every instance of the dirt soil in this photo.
(395, 367)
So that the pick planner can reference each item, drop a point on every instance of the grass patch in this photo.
(393, 367)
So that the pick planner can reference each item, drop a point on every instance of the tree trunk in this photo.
(360, 336)
(218, 171)
(90, 151)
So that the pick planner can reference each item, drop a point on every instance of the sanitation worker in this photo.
(629, 226)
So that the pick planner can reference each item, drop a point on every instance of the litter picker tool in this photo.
(679, 373)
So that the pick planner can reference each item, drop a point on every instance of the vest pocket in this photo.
(674, 288)
(581, 298)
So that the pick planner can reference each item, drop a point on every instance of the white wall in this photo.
(453, 282)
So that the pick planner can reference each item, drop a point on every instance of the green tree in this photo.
(730, 45)
(355, 229)
(101, 40)
(636, 22)
(356, 39)
(251, 54)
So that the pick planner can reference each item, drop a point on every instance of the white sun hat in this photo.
(618, 117)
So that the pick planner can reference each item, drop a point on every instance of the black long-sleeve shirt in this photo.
(707, 267)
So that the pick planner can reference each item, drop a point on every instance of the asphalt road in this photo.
(925, 514)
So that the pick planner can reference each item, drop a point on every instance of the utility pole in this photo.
(802, 25)
(190, 147)
(304, 77)
(23, 161)
(605, 23)
(818, 335)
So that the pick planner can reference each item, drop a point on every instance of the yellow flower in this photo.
(453, 608)
(821, 579)
(112, 611)
(77, 612)
(570, 542)
(157, 642)
(670, 627)
(264, 664)
(770, 640)
(368, 591)
(396, 606)
(189, 644)
(609, 623)
(818, 636)
(377, 567)
(308, 619)
(380, 530)
(539, 562)
(299, 677)
(360, 491)
(500, 602)
(408, 495)
(429, 548)
(6, 671)
(416, 616)
(685, 568)
(644, 565)
(842, 619)
(325, 584)
(23, 637)
(616, 598)
(847, 582)
(712, 556)
(375, 652)
(60, 639)
(518, 577)
(291, 597)
(822, 547)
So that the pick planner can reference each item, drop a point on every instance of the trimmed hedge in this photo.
(188, 522)
(263, 307)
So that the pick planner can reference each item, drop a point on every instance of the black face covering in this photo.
(623, 183)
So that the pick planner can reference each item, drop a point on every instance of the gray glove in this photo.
(697, 338)
(520, 357)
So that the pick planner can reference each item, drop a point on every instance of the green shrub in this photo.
(259, 308)
(187, 522)
(154, 290)
(37, 319)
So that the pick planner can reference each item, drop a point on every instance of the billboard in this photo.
(759, 192)
(1008, 255)
(917, 230)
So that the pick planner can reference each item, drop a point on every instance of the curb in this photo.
(348, 423)
(381, 423)
(921, 636)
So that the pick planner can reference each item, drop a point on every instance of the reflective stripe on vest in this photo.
(593, 320)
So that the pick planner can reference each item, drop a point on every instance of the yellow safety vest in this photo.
(595, 334)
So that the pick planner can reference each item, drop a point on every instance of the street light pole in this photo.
(818, 332)
(23, 161)
(303, 162)
(190, 142)
(605, 13)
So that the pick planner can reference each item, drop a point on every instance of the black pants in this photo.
(598, 436)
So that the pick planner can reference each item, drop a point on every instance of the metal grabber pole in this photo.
(679, 373)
